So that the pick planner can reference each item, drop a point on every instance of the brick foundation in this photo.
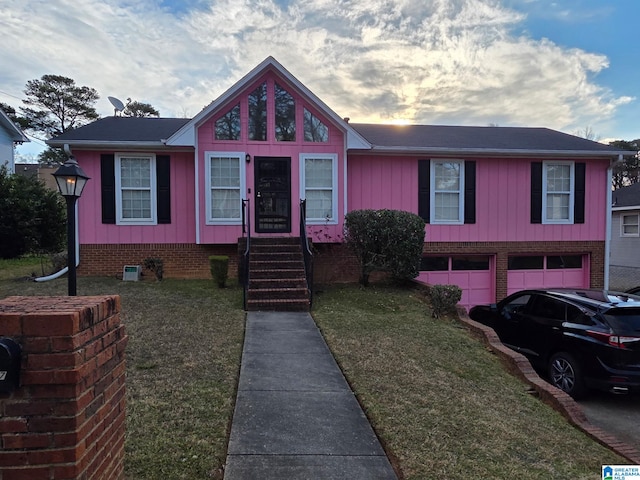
(180, 260)
(333, 261)
(66, 420)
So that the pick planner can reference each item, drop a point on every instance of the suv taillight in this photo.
(613, 340)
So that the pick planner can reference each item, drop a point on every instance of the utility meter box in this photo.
(10, 352)
(131, 273)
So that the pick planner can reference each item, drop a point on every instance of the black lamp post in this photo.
(71, 181)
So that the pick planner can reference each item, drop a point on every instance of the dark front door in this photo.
(273, 194)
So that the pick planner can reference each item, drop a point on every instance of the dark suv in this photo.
(581, 338)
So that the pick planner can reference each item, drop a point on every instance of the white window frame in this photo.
(120, 219)
(433, 192)
(242, 188)
(333, 220)
(623, 224)
(570, 193)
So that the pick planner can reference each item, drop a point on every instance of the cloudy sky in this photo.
(570, 65)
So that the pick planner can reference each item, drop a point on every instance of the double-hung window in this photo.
(629, 225)
(557, 192)
(318, 174)
(447, 191)
(136, 199)
(225, 184)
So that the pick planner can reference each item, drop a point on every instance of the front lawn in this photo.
(441, 402)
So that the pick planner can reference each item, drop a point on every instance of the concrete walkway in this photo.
(295, 415)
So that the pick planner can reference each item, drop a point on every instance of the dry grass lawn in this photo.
(442, 403)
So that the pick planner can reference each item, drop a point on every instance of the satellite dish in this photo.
(117, 104)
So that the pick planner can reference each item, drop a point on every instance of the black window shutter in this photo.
(424, 174)
(579, 190)
(536, 192)
(108, 185)
(469, 192)
(163, 183)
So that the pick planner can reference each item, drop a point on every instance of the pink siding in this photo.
(269, 148)
(503, 190)
(180, 230)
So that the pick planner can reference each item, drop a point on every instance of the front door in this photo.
(273, 194)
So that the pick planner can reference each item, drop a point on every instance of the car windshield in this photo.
(624, 319)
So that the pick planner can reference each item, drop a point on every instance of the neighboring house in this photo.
(625, 238)
(10, 135)
(41, 172)
(506, 208)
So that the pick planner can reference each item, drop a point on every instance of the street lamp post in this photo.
(71, 181)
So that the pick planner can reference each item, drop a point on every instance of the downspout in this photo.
(59, 273)
(607, 240)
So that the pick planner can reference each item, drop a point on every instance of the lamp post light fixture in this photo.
(71, 181)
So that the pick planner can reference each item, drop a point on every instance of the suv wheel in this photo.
(565, 373)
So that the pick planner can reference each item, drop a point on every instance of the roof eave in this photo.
(491, 151)
(15, 133)
(625, 208)
(111, 144)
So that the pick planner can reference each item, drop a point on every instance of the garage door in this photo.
(547, 271)
(474, 274)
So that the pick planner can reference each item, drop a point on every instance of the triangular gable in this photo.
(186, 136)
(14, 132)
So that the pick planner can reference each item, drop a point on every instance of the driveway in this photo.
(618, 415)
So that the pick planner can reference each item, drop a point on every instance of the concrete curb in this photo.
(556, 398)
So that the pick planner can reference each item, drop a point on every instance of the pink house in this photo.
(506, 208)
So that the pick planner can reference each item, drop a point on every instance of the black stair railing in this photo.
(246, 232)
(306, 251)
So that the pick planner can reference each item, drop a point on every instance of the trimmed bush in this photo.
(385, 240)
(444, 298)
(156, 265)
(219, 266)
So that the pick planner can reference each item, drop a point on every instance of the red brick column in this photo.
(66, 420)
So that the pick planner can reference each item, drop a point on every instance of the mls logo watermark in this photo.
(3, 375)
(620, 472)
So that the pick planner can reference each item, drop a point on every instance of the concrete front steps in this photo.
(277, 278)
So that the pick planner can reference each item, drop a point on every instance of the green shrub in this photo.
(385, 240)
(32, 217)
(219, 266)
(156, 265)
(444, 298)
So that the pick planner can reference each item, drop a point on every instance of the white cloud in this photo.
(443, 61)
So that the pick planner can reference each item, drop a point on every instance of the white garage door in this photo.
(474, 274)
(547, 271)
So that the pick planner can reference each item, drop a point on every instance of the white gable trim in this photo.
(186, 136)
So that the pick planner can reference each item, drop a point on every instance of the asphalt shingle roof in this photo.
(627, 196)
(462, 137)
(123, 129)
(131, 130)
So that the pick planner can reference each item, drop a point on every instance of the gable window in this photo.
(225, 182)
(629, 225)
(314, 129)
(135, 182)
(285, 115)
(318, 174)
(258, 113)
(557, 194)
(228, 126)
(447, 186)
